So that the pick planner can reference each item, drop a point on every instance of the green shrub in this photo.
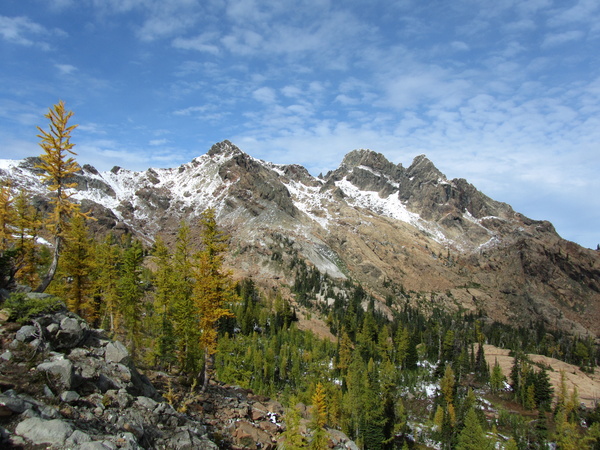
(23, 307)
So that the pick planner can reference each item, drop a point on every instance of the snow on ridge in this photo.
(8, 164)
(390, 206)
(308, 199)
(393, 208)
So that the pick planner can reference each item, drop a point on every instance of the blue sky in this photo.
(505, 94)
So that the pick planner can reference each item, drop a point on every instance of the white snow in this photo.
(391, 207)
(310, 201)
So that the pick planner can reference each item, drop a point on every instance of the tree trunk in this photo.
(53, 266)
(208, 369)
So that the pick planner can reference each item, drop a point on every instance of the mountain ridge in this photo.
(385, 226)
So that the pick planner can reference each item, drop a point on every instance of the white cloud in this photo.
(158, 142)
(23, 31)
(265, 95)
(292, 91)
(243, 42)
(459, 46)
(555, 39)
(189, 111)
(201, 43)
(583, 11)
(65, 69)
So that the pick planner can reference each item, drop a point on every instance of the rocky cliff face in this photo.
(389, 227)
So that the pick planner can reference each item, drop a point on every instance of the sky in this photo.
(503, 93)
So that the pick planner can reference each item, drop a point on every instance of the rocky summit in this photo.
(391, 228)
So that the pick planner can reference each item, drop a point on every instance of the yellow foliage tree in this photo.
(57, 168)
(319, 419)
(6, 216)
(213, 288)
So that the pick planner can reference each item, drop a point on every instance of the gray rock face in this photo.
(27, 333)
(39, 431)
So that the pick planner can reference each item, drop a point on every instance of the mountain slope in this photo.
(406, 233)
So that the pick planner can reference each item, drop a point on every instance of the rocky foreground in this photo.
(66, 385)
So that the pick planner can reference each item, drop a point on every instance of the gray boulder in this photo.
(39, 431)
(26, 333)
(116, 352)
(62, 369)
(70, 334)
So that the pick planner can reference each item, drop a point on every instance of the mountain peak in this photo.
(368, 158)
(424, 169)
(225, 148)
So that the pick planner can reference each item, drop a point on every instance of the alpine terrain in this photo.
(240, 304)
(385, 226)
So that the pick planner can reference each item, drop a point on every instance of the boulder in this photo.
(26, 333)
(39, 431)
(250, 436)
(11, 405)
(116, 352)
(62, 369)
(70, 334)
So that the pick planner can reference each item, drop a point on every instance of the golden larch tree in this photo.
(57, 168)
(213, 289)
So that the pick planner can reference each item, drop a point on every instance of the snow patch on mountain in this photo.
(390, 206)
(310, 201)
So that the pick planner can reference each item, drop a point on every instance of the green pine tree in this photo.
(472, 436)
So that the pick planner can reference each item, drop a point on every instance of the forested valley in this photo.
(400, 379)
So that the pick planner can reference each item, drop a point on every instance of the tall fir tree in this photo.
(472, 436)
(131, 293)
(106, 289)
(74, 280)
(164, 344)
(185, 313)
(28, 223)
(213, 289)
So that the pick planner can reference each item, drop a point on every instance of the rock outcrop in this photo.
(65, 385)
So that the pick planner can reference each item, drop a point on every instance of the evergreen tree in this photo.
(185, 312)
(213, 288)
(74, 280)
(482, 370)
(497, 378)
(108, 262)
(28, 223)
(447, 385)
(6, 217)
(319, 439)
(164, 345)
(131, 292)
(292, 439)
(543, 390)
(472, 436)
(57, 168)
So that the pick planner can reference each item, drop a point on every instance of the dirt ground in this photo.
(588, 385)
